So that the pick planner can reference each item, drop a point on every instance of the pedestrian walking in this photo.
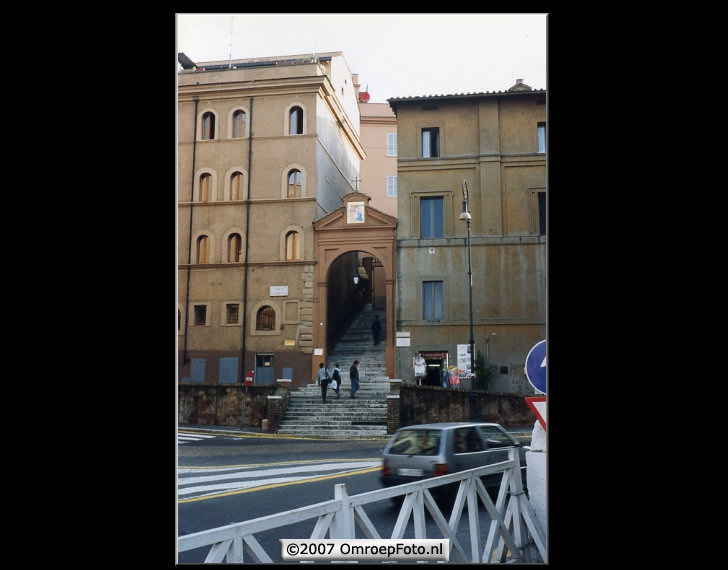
(376, 329)
(324, 379)
(354, 377)
(336, 380)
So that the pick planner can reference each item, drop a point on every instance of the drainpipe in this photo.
(247, 235)
(196, 99)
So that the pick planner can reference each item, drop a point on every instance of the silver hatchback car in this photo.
(428, 450)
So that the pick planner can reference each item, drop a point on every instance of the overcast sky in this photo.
(395, 55)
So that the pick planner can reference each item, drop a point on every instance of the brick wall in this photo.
(428, 404)
(222, 404)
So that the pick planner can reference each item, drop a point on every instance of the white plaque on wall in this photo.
(403, 338)
(279, 290)
(355, 213)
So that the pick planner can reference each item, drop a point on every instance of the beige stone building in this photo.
(379, 168)
(496, 143)
(378, 176)
(266, 147)
(271, 154)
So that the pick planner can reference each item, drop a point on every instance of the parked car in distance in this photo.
(427, 450)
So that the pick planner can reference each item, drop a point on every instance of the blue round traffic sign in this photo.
(536, 366)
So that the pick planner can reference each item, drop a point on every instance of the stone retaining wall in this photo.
(431, 404)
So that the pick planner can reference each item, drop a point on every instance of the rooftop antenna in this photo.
(230, 60)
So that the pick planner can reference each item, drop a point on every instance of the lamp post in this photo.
(465, 215)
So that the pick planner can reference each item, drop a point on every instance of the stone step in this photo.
(379, 419)
(345, 396)
(364, 416)
(326, 428)
(347, 382)
(364, 385)
(326, 431)
(344, 400)
(317, 420)
(342, 404)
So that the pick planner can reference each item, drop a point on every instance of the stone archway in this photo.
(353, 227)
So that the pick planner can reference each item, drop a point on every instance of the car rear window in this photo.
(416, 442)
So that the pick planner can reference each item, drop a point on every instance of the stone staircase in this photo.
(364, 416)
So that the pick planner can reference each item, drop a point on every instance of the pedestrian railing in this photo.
(513, 535)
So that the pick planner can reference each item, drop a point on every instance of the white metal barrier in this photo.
(514, 533)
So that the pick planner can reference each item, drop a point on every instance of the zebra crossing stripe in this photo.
(188, 437)
(231, 480)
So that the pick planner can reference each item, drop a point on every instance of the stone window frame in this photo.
(216, 127)
(208, 313)
(227, 191)
(301, 243)
(212, 197)
(210, 246)
(284, 180)
(254, 315)
(287, 119)
(231, 121)
(223, 313)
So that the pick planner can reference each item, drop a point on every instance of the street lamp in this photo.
(356, 279)
(465, 215)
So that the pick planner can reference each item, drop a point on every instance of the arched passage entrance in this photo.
(355, 227)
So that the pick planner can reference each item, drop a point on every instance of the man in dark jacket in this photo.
(376, 328)
(354, 377)
(324, 379)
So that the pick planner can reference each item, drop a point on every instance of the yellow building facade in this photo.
(496, 144)
(265, 148)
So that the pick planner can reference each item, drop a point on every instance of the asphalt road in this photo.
(271, 492)
(224, 479)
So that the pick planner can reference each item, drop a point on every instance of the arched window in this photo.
(293, 241)
(208, 126)
(294, 184)
(202, 249)
(265, 319)
(205, 185)
(295, 121)
(236, 185)
(234, 248)
(239, 124)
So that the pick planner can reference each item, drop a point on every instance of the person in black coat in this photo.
(324, 379)
(376, 329)
(336, 377)
(354, 377)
